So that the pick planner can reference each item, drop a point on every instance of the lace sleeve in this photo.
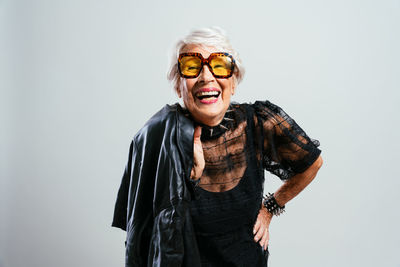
(287, 150)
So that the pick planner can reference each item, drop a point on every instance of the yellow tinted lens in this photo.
(221, 65)
(190, 65)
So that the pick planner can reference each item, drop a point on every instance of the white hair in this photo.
(212, 36)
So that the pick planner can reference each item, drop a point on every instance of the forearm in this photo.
(297, 183)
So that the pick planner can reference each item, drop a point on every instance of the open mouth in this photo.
(207, 95)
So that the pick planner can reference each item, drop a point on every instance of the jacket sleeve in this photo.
(120, 209)
(139, 221)
(166, 246)
(151, 203)
(136, 220)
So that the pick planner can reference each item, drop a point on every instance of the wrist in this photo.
(272, 205)
(193, 175)
(267, 213)
(196, 173)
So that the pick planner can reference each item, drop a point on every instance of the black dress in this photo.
(251, 138)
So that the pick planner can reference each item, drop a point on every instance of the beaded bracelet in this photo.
(272, 206)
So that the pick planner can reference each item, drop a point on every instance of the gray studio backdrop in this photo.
(79, 78)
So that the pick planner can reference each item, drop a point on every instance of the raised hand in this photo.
(198, 156)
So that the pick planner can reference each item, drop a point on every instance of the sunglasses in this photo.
(220, 64)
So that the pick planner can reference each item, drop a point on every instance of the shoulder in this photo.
(266, 111)
(162, 121)
(260, 106)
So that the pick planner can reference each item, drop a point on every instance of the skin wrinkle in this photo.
(237, 142)
(210, 115)
(217, 175)
(271, 127)
(291, 187)
(297, 183)
(275, 125)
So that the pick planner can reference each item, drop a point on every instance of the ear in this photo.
(178, 88)
(233, 90)
(234, 84)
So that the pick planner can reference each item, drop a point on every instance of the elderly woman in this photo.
(192, 190)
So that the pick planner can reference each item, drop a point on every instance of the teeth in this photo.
(210, 93)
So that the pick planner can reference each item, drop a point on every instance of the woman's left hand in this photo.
(261, 227)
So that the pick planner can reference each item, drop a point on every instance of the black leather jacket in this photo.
(153, 199)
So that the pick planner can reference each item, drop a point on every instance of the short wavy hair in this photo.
(212, 36)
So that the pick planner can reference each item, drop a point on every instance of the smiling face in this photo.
(206, 97)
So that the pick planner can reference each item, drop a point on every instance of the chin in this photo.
(210, 118)
(212, 111)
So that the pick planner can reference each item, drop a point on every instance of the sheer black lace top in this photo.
(250, 139)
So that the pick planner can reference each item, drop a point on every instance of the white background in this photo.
(79, 78)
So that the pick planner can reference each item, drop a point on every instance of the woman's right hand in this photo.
(198, 156)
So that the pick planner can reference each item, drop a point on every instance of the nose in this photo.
(205, 74)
